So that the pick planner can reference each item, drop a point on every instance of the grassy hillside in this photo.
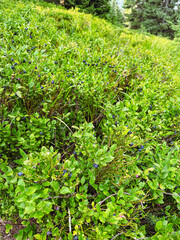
(89, 127)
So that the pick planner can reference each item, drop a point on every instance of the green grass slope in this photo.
(89, 127)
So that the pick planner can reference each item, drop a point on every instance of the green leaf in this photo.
(98, 208)
(159, 225)
(55, 186)
(110, 206)
(120, 192)
(45, 207)
(8, 228)
(78, 196)
(30, 207)
(82, 180)
(170, 185)
(75, 127)
(125, 109)
(21, 198)
(176, 197)
(146, 172)
(102, 219)
(1, 90)
(31, 190)
(23, 154)
(39, 214)
(70, 236)
(113, 147)
(65, 190)
(92, 177)
(38, 236)
(19, 94)
(153, 184)
(46, 184)
(21, 184)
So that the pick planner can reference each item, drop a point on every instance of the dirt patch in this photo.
(16, 227)
(14, 230)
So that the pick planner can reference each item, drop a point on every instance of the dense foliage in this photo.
(115, 14)
(155, 16)
(89, 127)
(95, 7)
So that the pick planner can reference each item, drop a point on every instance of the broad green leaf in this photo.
(153, 184)
(39, 214)
(38, 237)
(146, 172)
(23, 154)
(159, 225)
(21, 184)
(125, 109)
(170, 185)
(113, 147)
(19, 94)
(45, 207)
(21, 197)
(31, 190)
(102, 219)
(55, 186)
(29, 209)
(82, 180)
(120, 192)
(8, 228)
(64, 190)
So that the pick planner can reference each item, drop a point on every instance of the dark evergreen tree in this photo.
(156, 16)
(115, 15)
(101, 7)
(69, 3)
(96, 7)
(132, 13)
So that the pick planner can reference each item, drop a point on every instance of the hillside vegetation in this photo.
(89, 127)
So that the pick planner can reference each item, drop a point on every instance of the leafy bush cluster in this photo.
(89, 127)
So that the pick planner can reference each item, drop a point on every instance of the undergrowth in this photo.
(89, 127)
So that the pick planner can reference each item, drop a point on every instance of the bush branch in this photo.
(117, 235)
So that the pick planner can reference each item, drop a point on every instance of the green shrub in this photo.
(89, 127)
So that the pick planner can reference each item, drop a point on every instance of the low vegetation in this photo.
(89, 127)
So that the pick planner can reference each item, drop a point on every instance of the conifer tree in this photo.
(116, 16)
(97, 7)
(156, 16)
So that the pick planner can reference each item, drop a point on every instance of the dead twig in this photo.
(117, 235)
(111, 196)
(69, 220)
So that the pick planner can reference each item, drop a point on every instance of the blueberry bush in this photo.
(89, 127)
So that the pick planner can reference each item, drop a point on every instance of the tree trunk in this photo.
(62, 2)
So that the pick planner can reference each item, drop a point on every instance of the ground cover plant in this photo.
(89, 127)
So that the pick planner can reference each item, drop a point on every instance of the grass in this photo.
(89, 118)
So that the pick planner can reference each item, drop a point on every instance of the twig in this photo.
(64, 123)
(116, 236)
(96, 194)
(69, 220)
(141, 204)
(67, 149)
(107, 198)
(171, 194)
(111, 196)
(140, 238)
(67, 196)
